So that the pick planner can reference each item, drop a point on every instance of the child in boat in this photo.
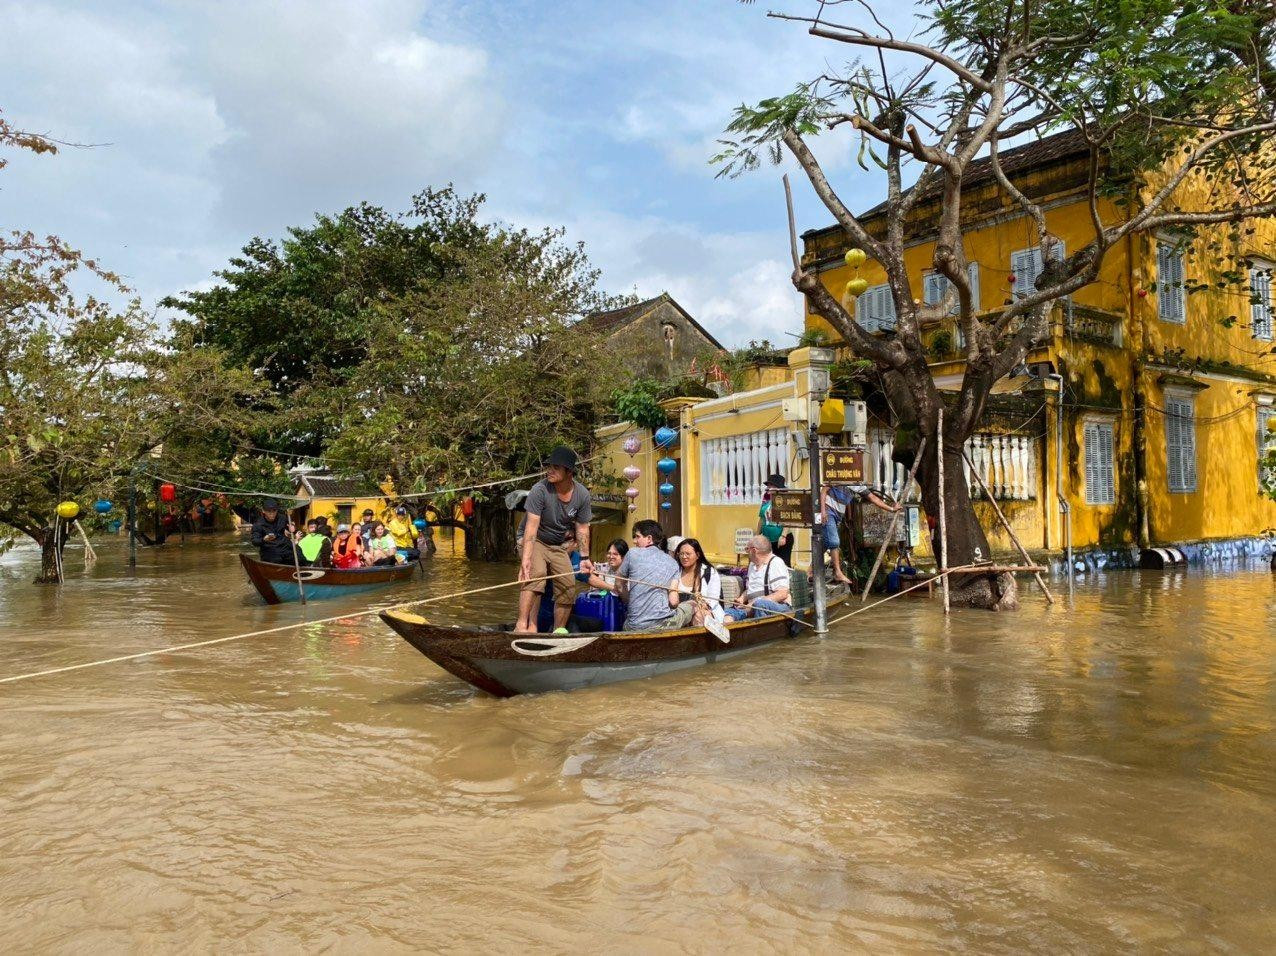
(347, 549)
(381, 547)
(696, 590)
(315, 547)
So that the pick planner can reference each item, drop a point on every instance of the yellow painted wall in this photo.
(327, 507)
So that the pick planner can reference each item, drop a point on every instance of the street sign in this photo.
(842, 466)
(742, 538)
(791, 508)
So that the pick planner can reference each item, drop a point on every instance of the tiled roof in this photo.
(1059, 146)
(605, 323)
(326, 486)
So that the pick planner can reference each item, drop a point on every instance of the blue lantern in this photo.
(419, 524)
(666, 488)
(666, 466)
(666, 505)
(665, 436)
(102, 506)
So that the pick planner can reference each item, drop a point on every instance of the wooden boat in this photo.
(277, 583)
(504, 663)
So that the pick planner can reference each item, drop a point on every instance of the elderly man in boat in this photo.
(766, 590)
(554, 506)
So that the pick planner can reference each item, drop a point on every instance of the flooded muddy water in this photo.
(1089, 778)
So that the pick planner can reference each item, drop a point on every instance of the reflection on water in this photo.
(1101, 777)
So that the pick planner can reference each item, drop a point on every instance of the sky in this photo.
(213, 123)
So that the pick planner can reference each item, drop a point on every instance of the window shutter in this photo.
(1164, 302)
(1188, 432)
(1180, 293)
(1108, 461)
(934, 286)
(1171, 296)
(1173, 469)
(1260, 290)
(1091, 464)
(1021, 265)
(1180, 445)
(887, 313)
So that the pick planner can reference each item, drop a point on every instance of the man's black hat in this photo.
(776, 481)
(270, 504)
(563, 457)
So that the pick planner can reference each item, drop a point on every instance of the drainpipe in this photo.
(1064, 508)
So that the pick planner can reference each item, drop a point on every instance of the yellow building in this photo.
(1166, 392)
(340, 500)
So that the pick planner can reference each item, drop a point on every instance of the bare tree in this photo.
(1162, 93)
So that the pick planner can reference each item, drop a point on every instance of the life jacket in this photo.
(344, 556)
(311, 545)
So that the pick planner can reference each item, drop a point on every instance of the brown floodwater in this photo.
(1095, 778)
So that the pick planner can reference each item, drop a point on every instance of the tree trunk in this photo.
(50, 548)
(489, 535)
(967, 543)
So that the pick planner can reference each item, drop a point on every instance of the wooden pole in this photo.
(943, 534)
(1023, 553)
(890, 533)
(296, 563)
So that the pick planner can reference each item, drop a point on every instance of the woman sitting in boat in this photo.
(381, 547)
(766, 590)
(696, 592)
(347, 549)
(604, 577)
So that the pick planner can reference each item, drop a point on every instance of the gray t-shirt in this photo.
(648, 601)
(558, 517)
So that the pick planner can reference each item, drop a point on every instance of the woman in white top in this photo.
(696, 592)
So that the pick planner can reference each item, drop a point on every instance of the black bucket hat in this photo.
(562, 457)
(777, 482)
(270, 504)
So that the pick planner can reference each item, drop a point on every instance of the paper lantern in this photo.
(68, 510)
(665, 436)
(631, 472)
(666, 488)
(631, 445)
(666, 466)
(857, 287)
(855, 257)
(666, 505)
(631, 492)
(102, 506)
(419, 524)
(632, 506)
(168, 492)
(467, 506)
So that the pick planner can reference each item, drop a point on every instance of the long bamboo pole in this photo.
(943, 533)
(890, 533)
(1023, 553)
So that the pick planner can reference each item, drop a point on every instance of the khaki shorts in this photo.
(552, 559)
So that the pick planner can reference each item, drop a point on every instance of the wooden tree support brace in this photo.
(999, 569)
(1023, 553)
(890, 534)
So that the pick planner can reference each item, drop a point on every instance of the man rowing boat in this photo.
(554, 506)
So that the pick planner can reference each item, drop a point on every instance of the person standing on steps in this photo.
(554, 506)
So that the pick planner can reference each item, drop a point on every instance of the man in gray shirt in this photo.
(554, 506)
(650, 570)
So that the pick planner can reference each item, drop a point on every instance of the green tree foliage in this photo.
(87, 389)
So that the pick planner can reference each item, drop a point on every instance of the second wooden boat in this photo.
(501, 662)
(277, 583)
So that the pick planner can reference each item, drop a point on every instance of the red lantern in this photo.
(467, 507)
(168, 492)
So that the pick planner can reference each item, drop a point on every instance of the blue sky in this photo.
(227, 120)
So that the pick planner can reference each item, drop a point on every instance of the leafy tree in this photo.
(87, 389)
(1161, 93)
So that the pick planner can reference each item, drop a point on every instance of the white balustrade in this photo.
(733, 469)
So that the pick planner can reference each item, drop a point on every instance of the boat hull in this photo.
(506, 664)
(278, 584)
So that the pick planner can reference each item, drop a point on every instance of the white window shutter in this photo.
(1164, 302)
(1091, 464)
(888, 308)
(1173, 455)
(934, 285)
(1108, 461)
(1189, 448)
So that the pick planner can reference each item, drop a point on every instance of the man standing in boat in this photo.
(270, 534)
(554, 506)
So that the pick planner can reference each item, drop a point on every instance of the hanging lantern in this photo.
(168, 492)
(631, 493)
(102, 506)
(632, 506)
(666, 466)
(857, 287)
(666, 505)
(467, 506)
(631, 472)
(67, 510)
(419, 524)
(631, 445)
(855, 258)
(666, 488)
(666, 436)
